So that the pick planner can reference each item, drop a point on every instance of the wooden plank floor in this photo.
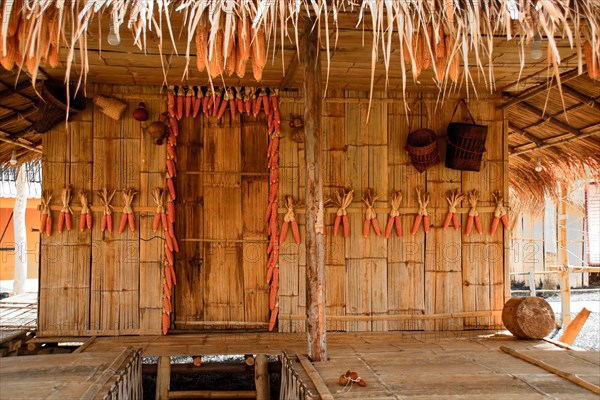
(19, 312)
(70, 376)
(466, 364)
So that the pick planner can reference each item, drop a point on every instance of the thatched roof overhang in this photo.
(366, 45)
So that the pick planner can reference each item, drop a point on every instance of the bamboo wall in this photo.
(110, 284)
(93, 282)
(375, 284)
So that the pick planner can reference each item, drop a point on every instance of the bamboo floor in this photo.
(397, 365)
(108, 375)
(18, 312)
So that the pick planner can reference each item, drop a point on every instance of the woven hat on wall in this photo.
(112, 107)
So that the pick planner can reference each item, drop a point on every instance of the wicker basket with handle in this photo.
(466, 143)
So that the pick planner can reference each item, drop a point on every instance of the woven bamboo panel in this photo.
(441, 272)
(94, 282)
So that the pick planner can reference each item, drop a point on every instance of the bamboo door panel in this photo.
(223, 182)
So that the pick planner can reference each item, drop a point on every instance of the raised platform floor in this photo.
(398, 365)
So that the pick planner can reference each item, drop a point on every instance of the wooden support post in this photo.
(315, 239)
(575, 326)
(261, 377)
(565, 290)
(163, 378)
(532, 283)
(19, 210)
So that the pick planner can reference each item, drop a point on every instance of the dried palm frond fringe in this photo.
(528, 188)
(31, 35)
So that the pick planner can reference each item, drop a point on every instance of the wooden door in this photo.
(222, 187)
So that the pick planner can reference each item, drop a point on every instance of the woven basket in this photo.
(466, 145)
(53, 107)
(113, 108)
(421, 146)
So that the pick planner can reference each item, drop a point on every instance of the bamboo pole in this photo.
(23, 145)
(315, 239)
(563, 374)
(261, 377)
(565, 294)
(20, 231)
(572, 330)
(396, 317)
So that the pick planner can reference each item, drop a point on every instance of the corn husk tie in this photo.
(473, 198)
(369, 199)
(343, 201)
(128, 195)
(453, 197)
(66, 197)
(106, 197)
(85, 208)
(423, 200)
(500, 210)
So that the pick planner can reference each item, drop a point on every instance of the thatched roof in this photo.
(559, 135)
(400, 34)
(473, 46)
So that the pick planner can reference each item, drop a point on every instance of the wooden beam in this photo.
(212, 394)
(545, 145)
(16, 90)
(539, 363)
(289, 73)
(163, 377)
(534, 91)
(529, 136)
(24, 114)
(85, 345)
(315, 377)
(25, 146)
(315, 238)
(550, 119)
(575, 326)
(584, 99)
(261, 377)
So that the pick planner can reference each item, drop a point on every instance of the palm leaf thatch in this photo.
(576, 160)
(434, 33)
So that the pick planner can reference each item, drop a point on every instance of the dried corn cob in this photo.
(453, 60)
(441, 59)
(201, 35)
(258, 53)
(215, 63)
(243, 46)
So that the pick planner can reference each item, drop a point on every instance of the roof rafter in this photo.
(549, 119)
(584, 99)
(534, 91)
(529, 136)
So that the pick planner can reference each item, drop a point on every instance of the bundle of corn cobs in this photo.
(189, 101)
(231, 54)
(26, 46)
(433, 48)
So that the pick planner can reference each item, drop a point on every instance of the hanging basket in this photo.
(466, 145)
(421, 146)
(112, 107)
(53, 107)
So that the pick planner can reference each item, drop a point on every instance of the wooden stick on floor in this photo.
(316, 379)
(575, 326)
(568, 376)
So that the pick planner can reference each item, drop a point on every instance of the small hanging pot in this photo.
(141, 113)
